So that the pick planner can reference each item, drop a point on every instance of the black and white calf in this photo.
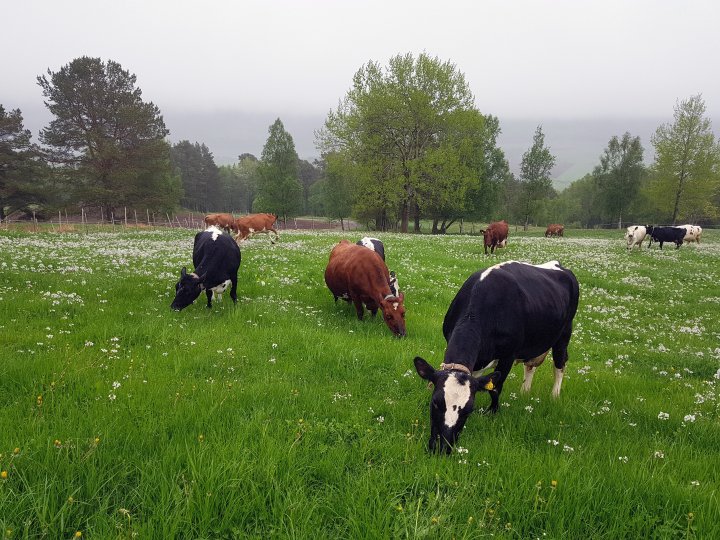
(216, 258)
(509, 312)
(374, 244)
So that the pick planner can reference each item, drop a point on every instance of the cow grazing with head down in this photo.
(216, 258)
(636, 234)
(554, 229)
(509, 312)
(249, 225)
(221, 221)
(360, 276)
(494, 235)
(373, 244)
(692, 234)
(668, 234)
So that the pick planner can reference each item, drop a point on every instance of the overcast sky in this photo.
(222, 71)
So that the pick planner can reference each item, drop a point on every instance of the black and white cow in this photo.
(216, 258)
(668, 234)
(512, 311)
(377, 246)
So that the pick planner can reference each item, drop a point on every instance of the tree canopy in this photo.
(535, 168)
(279, 190)
(108, 142)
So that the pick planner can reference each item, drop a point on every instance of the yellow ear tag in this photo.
(489, 385)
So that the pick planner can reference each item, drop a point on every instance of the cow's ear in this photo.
(487, 382)
(425, 370)
(401, 297)
(183, 272)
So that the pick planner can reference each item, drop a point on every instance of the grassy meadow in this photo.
(285, 416)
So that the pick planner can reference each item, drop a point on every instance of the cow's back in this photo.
(356, 272)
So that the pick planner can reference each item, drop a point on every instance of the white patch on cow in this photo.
(215, 232)
(456, 397)
(558, 382)
(527, 381)
(368, 242)
(550, 265)
(478, 372)
(219, 289)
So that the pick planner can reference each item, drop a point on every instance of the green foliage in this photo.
(619, 175)
(413, 130)
(107, 141)
(285, 416)
(535, 168)
(338, 186)
(686, 173)
(202, 187)
(22, 173)
(279, 190)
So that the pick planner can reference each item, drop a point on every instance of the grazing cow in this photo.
(216, 258)
(668, 234)
(358, 275)
(377, 246)
(256, 223)
(636, 234)
(693, 233)
(494, 235)
(221, 221)
(554, 229)
(509, 312)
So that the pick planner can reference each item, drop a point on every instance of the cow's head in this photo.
(394, 313)
(186, 290)
(453, 400)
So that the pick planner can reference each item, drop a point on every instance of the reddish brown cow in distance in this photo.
(358, 275)
(495, 234)
(222, 221)
(251, 224)
(554, 229)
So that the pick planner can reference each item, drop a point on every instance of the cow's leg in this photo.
(530, 367)
(503, 368)
(560, 358)
(359, 309)
(277, 236)
(233, 289)
(209, 294)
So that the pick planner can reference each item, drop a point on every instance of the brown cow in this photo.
(358, 275)
(222, 221)
(554, 229)
(495, 235)
(251, 224)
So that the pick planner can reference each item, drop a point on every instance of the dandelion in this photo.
(663, 416)
(3, 475)
(201, 438)
(78, 534)
(16, 451)
(57, 443)
(97, 441)
(71, 499)
(553, 484)
(39, 400)
(434, 520)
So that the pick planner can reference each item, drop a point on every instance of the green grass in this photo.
(285, 416)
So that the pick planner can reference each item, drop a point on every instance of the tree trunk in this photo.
(527, 220)
(434, 226)
(405, 219)
(416, 209)
(342, 224)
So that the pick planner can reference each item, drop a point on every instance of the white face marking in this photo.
(395, 305)
(456, 397)
(558, 382)
(368, 242)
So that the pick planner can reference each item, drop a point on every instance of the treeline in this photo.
(405, 146)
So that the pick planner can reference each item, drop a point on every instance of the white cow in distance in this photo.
(636, 234)
(693, 233)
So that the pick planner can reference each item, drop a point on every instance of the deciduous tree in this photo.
(686, 171)
(535, 168)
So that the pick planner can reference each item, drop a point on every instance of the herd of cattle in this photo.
(684, 233)
(509, 312)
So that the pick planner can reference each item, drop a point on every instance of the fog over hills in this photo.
(576, 143)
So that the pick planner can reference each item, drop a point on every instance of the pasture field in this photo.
(285, 416)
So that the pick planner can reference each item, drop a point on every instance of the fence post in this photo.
(34, 222)
(102, 215)
(148, 215)
(112, 219)
(135, 212)
(126, 217)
